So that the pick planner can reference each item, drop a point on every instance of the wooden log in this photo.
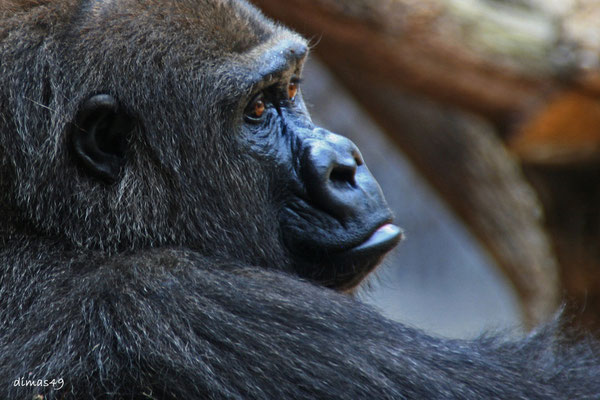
(564, 131)
(490, 57)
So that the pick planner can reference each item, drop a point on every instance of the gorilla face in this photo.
(188, 139)
(333, 218)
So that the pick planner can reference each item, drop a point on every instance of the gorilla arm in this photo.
(171, 324)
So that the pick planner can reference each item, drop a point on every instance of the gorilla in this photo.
(174, 226)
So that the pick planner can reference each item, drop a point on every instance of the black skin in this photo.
(162, 240)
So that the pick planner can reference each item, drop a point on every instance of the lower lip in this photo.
(383, 239)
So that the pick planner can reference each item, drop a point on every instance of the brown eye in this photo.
(292, 90)
(258, 108)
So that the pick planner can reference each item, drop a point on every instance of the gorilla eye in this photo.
(256, 109)
(259, 108)
(292, 90)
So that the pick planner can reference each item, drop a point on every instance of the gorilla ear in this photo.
(99, 137)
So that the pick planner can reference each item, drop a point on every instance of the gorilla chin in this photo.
(353, 265)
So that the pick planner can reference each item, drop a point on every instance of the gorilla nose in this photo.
(330, 166)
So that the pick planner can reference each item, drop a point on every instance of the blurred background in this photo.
(481, 121)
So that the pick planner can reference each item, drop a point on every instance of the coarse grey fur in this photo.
(173, 282)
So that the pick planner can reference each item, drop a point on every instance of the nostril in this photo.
(343, 174)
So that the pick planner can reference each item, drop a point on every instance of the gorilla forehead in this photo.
(139, 32)
(240, 26)
(248, 46)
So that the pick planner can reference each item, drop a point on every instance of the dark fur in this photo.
(173, 283)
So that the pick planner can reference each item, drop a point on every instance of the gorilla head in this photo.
(136, 125)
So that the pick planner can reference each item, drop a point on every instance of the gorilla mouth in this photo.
(351, 266)
(381, 241)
